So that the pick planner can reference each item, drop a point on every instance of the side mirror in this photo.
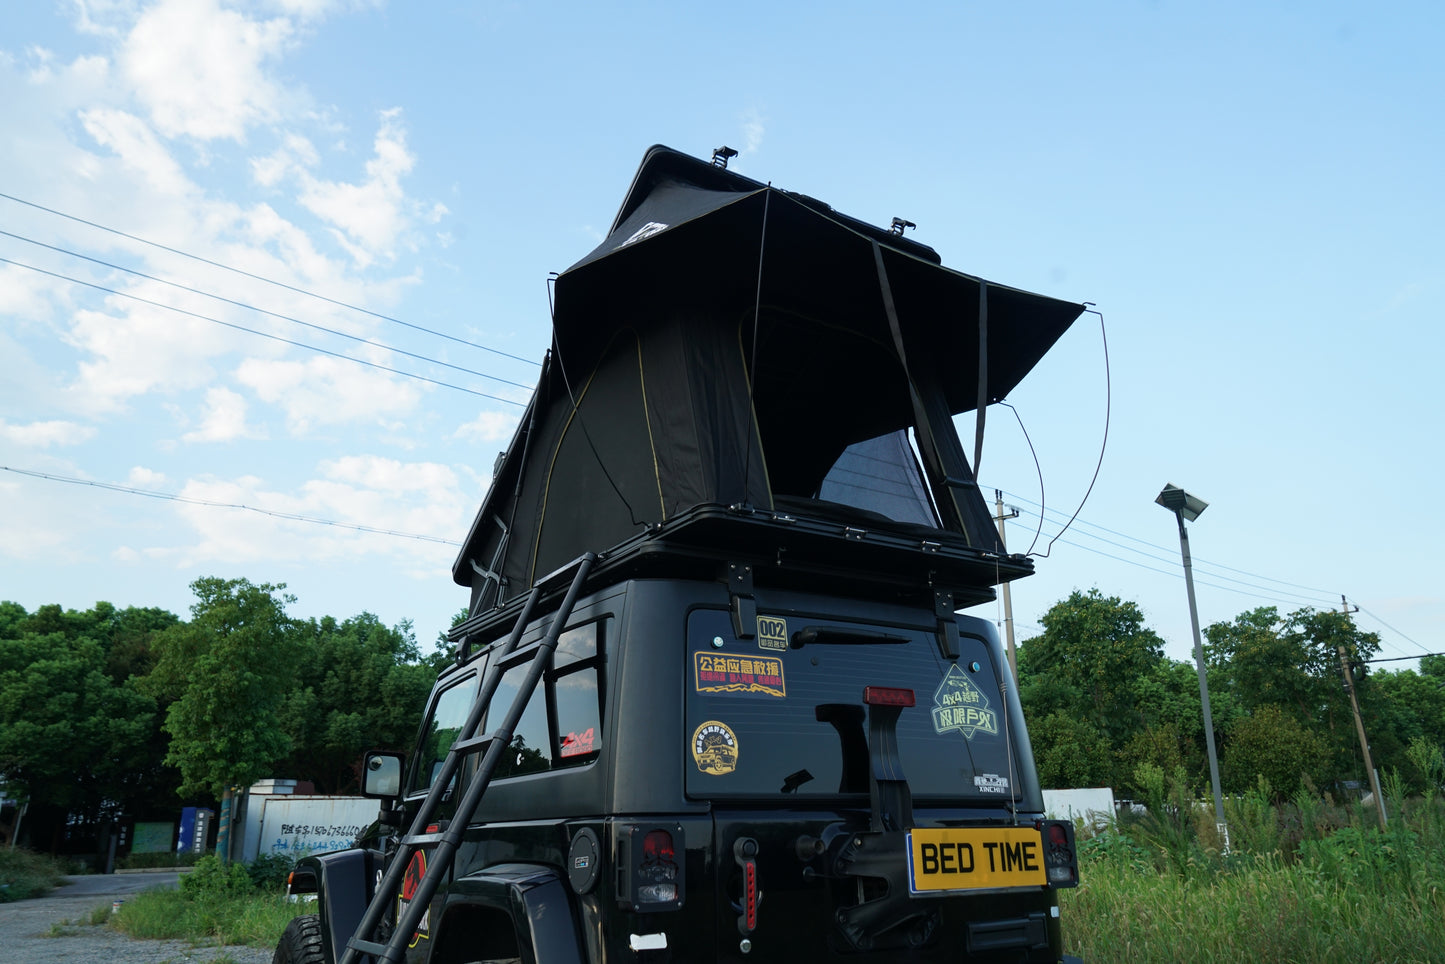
(381, 774)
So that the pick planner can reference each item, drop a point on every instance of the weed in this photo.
(1254, 822)
(24, 874)
(214, 903)
(211, 880)
(269, 871)
(1346, 892)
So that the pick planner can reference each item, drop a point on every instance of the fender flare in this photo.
(344, 882)
(534, 896)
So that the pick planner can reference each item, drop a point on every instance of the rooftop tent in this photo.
(730, 343)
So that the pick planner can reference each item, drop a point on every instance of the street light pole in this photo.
(1183, 505)
(1008, 602)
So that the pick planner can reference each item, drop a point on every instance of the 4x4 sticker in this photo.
(579, 744)
(958, 704)
(715, 748)
(773, 633)
(714, 673)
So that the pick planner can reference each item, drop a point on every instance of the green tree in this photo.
(359, 685)
(1162, 746)
(227, 673)
(1403, 708)
(1070, 752)
(1088, 663)
(1271, 743)
(1293, 664)
(73, 738)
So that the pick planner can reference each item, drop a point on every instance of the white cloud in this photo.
(326, 391)
(138, 350)
(103, 18)
(24, 294)
(224, 419)
(488, 427)
(752, 131)
(42, 435)
(295, 154)
(131, 140)
(144, 478)
(369, 216)
(198, 68)
(389, 475)
(317, 9)
(415, 498)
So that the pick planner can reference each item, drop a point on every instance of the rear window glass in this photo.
(791, 720)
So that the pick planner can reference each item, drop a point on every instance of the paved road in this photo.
(55, 929)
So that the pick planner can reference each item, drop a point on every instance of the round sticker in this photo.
(715, 748)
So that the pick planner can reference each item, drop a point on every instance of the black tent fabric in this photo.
(726, 344)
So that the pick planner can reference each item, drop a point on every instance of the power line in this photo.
(1168, 558)
(1275, 597)
(1397, 659)
(1273, 594)
(263, 334)
(173, 497)
(1391, 628)
(264, 280)
(264, 311)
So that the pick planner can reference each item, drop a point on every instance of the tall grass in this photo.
(24, 874)
(215, 904)
(1302, 880)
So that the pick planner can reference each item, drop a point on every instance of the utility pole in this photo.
(1008, 603)
(1360, 723)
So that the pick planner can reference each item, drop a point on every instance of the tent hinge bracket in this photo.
(943, 611)
(741, 603)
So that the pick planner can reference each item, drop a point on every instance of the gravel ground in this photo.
(41, 931)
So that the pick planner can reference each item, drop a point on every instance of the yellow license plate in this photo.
(974, 858)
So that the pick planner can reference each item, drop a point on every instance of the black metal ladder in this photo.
(491, 746)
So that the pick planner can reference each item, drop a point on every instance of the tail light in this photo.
(650, 873)
(887, 696)
(745, 852)
(1061, 863)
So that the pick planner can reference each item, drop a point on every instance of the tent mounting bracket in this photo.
(742, 605)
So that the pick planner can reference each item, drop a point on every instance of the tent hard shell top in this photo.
(740, 373)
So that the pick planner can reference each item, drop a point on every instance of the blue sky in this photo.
(1249, 192)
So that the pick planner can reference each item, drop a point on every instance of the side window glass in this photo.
(575, 645)
(579, 717)
(447, 718)
(562, 724)
(528, 752)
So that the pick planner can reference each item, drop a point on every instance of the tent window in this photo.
(880, 475)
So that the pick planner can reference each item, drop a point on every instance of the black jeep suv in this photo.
(715, 699)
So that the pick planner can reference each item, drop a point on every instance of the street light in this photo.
(1186, 506)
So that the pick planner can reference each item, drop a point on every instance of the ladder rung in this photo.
(422, 839)
(367, 947)
(477, 744)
